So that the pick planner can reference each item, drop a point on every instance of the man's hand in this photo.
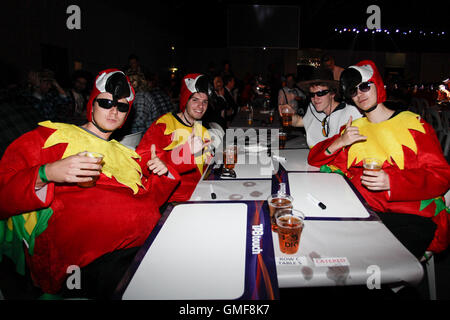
(196, 143)
(351, 134)
(73, 169)
(375, 180)
(281, 107)
(155, 164)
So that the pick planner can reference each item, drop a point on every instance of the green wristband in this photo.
(42, 174)
(328, 151)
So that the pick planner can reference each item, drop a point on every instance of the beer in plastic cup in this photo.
(278, 202)
(271, 113)
(290, 226)
(282, 139)
(93, 182)
(372, 164)
(286, 117)
(230, 157)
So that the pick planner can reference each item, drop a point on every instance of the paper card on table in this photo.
(294, 261)
(331, 189)
(296, 160)
(331, 262)
(228, 242)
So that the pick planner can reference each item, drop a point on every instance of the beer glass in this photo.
(286, 117)
(278, 202)
(290, 226)
(282, 139)
(93, 182)
(229, 161)
(372, 164)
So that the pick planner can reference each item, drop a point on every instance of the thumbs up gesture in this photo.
(155, 164)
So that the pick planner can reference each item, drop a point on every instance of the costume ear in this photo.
(349, 79)
(118, 86)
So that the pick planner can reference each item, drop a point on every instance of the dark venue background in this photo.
(34, 34)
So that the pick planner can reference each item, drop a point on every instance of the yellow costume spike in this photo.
(180, 134)
(117, 160)
(385, 139)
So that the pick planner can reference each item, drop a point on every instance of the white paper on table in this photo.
(296, 160)
(329, 188)
(232, 190)
(199, 253)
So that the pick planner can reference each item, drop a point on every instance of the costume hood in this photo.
(115, 82)
(192, 83)
(363, 71)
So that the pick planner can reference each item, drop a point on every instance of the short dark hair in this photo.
(227, 78)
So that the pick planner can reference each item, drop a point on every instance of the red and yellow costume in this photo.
(64, 224)
(170, 136)
(412, 157)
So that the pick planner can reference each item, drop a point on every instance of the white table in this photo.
(296, 160)
(366, 246)
(342, 245)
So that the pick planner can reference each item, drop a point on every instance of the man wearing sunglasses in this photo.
(325, 113)
(61, 224)
(407, 192)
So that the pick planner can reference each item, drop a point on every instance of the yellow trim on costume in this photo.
(180, 134)
(385, 139)
(118, 161)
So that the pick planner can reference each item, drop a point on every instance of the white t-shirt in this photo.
(339, 117)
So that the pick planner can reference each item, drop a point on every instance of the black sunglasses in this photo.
(363, 87)
(319, 93)
(108, 104)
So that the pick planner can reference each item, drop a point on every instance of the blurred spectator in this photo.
(229, 83)
(226, 69)
(327, 61)
(150, 102)
(134, 65)
(292, 95)
(46, 95)
(218, 110)
(79, 97)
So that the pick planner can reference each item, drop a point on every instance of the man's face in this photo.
(45, 86)
(366, 100)
(329, 64)
(290, 82)
(134, 64)
(197, 105)
(218, 83)
(323, 102)
(108, 119)
(80, 85)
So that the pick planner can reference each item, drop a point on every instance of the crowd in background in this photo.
(43, 98)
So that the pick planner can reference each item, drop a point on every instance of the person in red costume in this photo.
(407, 193)
(65, 226)
(180, 138)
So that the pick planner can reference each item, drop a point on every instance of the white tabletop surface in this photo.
(296, 160)
(368, 246)
(199, 253)
(232, 190)
(329, 188)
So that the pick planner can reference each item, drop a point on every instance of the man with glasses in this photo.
(325, 113)
(51, 224)
(407, 191)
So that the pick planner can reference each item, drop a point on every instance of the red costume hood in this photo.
(369, 72)
(101, 85)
